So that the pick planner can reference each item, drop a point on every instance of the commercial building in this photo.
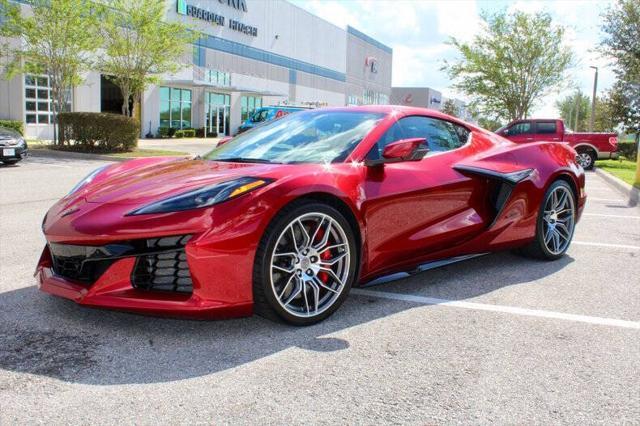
(423, 97)
(251, 53)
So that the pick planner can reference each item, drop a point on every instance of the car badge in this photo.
(69, 211)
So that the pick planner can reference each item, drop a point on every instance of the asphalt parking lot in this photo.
(496, 339)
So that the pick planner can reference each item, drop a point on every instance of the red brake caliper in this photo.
(325, 255)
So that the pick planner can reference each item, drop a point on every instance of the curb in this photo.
(631, 192)
(49, 153)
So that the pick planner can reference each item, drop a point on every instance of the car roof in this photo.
(401, 110)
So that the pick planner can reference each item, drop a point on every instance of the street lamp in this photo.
(593, 99)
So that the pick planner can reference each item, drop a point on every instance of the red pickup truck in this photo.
(589, 146)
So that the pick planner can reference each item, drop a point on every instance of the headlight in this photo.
(87, 179)
(17, 142)
(203, 197)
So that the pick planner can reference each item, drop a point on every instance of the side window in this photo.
(546, 127)
(520, 128)
(441, 135)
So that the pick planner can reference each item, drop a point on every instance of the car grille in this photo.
(164, 271)
(77, 269)
(161, 263)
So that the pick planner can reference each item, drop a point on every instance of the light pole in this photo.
(593, 99)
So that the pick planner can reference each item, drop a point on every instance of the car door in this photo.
(521, 132)
(415, 208)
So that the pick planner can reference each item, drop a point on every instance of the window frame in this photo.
(430, 154)
(531, 131)
(37, 100)
(555, 127)
(171, 102)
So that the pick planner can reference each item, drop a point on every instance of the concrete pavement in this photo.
(379, 359)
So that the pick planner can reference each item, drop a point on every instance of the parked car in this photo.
(13, 147)
(283, 220)
(268, 113)
(589, 146)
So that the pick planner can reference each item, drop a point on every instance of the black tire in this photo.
(10, 162)
(265, 300)
(537, 248)
(587, 158)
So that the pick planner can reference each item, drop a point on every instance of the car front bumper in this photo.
(13, 153)
(114, 289)
(218, 256)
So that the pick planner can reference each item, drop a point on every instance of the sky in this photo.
(418, 30)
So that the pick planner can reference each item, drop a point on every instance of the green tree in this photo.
(489, 123)
(574, 110)
(140, 46)
(57, 39)
(621, 26)
(518, 59)
(449, 107)
(607, 117)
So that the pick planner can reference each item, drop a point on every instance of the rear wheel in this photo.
(587, 158)
(305, 265)
(556, 223)
(10, 162)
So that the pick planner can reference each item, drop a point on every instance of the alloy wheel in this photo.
(310, 264)
(558, 220)
(584, 159)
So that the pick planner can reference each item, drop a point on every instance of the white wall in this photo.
(296, 29)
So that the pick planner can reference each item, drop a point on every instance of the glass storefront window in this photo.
(248, 105)
(38, 100)
(175, 107)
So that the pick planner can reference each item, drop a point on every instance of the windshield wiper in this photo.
(245, 160)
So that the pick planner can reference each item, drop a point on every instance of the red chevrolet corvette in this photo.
(283, 220)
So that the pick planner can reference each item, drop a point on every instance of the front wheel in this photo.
(305, 265)
(556, 223)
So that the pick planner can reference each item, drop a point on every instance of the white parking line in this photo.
(623, 246)
(619, 216)
(608, 200)
(498, 308)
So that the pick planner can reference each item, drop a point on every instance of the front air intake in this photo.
(166, 270)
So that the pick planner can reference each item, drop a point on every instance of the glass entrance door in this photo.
(217, 112)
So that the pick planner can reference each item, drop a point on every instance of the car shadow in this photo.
(48, 336)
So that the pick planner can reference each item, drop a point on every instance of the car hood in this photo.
(142, 182)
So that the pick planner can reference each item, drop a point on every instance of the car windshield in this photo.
(8, 133)
(317, 136)
(260, 116)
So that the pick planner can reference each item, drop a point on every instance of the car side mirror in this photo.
(413, 149)
(224, 140)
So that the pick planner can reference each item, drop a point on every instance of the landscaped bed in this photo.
(622, 169)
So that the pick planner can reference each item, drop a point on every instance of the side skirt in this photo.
(421, 268)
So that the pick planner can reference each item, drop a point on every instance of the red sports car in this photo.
(283, 220)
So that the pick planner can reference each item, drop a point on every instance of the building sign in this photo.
(371, 63)
(198, 13)
(435, 100)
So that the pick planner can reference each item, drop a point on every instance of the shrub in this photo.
(163, 132)
(185, 133)
(628, 149)
(200, 133)
(18, 126)
(97, 132)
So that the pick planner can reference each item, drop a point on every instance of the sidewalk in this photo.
(191, 145)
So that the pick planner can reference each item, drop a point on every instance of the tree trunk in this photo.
(126, 95)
